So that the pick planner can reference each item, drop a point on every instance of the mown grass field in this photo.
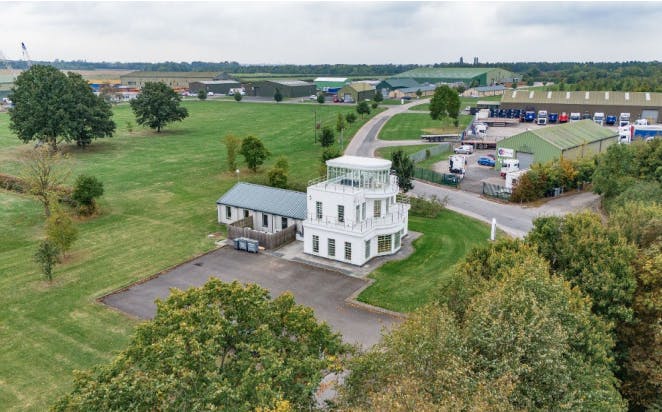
(410, 126)
(157, 210)
(405, 285)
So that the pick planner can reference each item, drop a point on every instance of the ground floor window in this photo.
(367, 249)
(397, 239)
(348, 251)
(383, 243)
(245, 212)
(228, 212)
(316, 243)
(283, 223)
(265, 220)
(332, 247)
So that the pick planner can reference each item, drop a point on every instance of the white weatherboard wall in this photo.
(274, 222)
(367, 191)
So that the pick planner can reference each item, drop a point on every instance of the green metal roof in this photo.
(569, 135)
(446, 72)
(400, 83)
(601, 98)
(266, 199)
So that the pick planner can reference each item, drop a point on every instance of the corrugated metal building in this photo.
(388, 85)
(426, 90)
(570, 141)
(485, 76)
(638, 104)
(356, 92)
(330, 84)
(215, 86)
(176, 80)
(288, 88)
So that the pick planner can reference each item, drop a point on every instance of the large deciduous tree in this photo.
(222, 346)
(444, 103)
(517, 339)
(404, 169)
(51, 106)
(91, 116)
(254, 152)
(596, 260)
(157, 105)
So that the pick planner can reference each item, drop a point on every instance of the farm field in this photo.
(157, 210)
(410, 126)
(407, 284)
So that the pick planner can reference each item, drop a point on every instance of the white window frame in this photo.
(331, 247)
(367, 248)
(316, 244)
(384, 243)
(348, 250)
(341, 213)
(265, 220)
(228, 212)
(377, 208)
(318, 210)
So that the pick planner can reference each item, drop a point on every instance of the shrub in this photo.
(86, 189)
(12, 183)
(420, 206)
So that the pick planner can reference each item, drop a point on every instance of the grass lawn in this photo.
(157, 210)
(423, 107)
(385, 153)
(410, 126)
(408, 284)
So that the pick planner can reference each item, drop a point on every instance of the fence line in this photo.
(497, 191)
(434, 177)
(243, 228)
(422, 154)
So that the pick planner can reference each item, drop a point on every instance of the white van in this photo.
(509, 165)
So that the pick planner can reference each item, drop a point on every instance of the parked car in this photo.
(563, 117)
(553, 117)
(611, 120)
(486, 161)
(313, 97)
(464, 149)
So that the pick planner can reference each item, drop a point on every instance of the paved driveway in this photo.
(323, 290)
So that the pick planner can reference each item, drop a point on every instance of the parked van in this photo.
(599, 118)
(509, 165)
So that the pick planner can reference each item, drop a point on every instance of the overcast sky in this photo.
(332, 32)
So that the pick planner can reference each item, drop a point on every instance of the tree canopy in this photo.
(254, 152)
(444, 103)
(157, 105)
(404, 169)
(51, 106)
(520, 339)
(224, 346)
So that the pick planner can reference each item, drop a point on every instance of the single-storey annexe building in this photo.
(272, 209)
(426, 90)
(571, 141)
(640, 105)
(388, 85)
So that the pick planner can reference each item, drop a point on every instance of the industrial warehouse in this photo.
(470, 76)
(570, 141)
(640, 105)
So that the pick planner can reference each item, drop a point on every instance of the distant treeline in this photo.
(624, 76)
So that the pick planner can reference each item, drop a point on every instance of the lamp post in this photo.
(315, 124)
(237, 172)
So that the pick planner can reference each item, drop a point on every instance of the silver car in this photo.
(464, 149)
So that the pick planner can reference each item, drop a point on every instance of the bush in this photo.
(12, 183)
(350, 117)
(374, 105)
(86, 189)
(420, 206)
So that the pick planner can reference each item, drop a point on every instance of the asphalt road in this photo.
(323, 290)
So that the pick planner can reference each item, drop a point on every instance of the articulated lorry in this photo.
(634, 132)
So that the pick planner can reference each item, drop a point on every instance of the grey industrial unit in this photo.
(639, 104)
(287, 88)
(214, 86)
(570, 141)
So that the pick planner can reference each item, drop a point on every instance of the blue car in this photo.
(486, 161)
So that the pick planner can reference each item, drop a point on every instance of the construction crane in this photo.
(26, 55)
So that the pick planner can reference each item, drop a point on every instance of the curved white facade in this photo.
(354, 214)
